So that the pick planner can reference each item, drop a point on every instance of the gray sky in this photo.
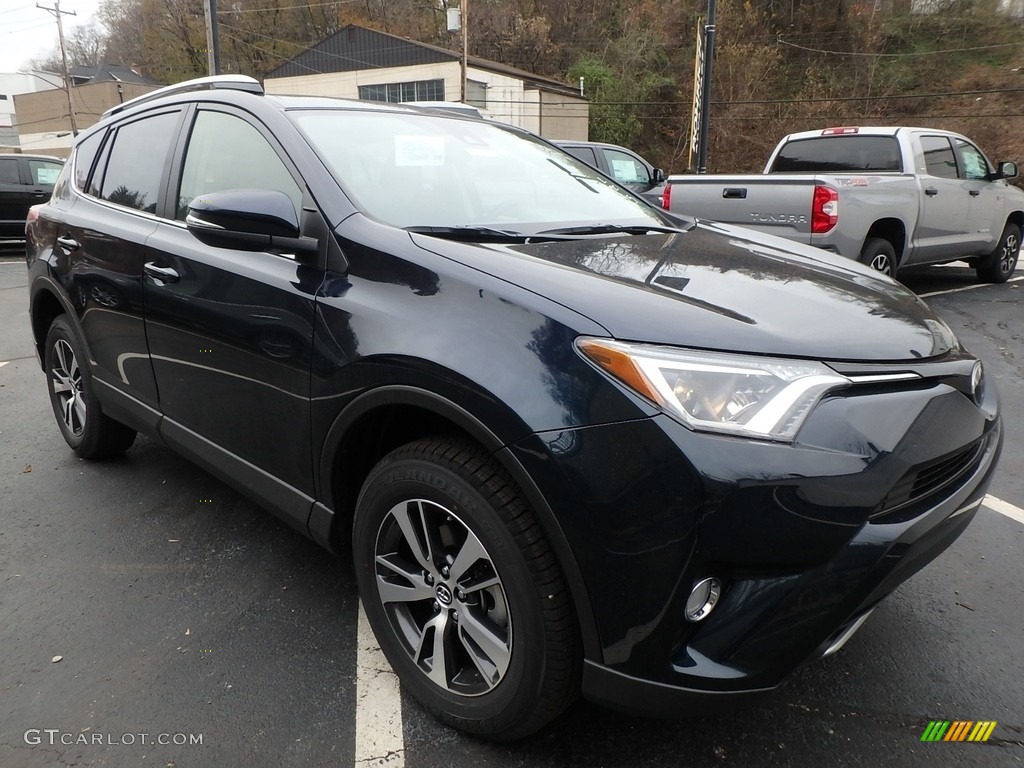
(28, 32)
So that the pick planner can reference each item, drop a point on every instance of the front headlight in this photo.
(763, 397)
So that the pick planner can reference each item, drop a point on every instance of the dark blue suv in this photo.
(573, 445)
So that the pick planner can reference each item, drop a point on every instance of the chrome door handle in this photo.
(163, 274)
(68, 243)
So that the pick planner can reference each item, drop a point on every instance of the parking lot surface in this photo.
(149, 615)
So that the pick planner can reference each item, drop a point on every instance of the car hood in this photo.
(722, 288)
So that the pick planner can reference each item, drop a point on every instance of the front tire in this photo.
(999, 265)
(879, 254)
(90, 432)
(463, 591)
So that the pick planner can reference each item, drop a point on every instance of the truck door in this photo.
(945, 200)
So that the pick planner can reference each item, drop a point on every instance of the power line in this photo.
(897, 55)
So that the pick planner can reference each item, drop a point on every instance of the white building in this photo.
(11, 85)
(359, 63)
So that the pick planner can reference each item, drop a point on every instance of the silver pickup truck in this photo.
(888, 197)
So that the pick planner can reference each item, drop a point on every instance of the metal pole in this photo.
(705, 111)
(56, 11)
(212, 38)
(465, 47)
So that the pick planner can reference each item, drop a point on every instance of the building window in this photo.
(476, 93)
(421, 90)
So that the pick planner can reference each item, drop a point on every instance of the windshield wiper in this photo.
(471, 234)
(614, 229)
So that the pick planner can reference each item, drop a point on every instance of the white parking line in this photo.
(965, 288)
(1005, 508)
(379, 738)
(3, 363)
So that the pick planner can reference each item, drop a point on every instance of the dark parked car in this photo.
(623, 165)
(24, 181)
(570, 445)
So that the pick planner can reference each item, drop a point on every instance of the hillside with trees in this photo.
(780, 65)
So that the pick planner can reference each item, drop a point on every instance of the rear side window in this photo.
(839, 154)
(85, 154)
(136, 162)
(9, 170)
(939, 157)
(586, 154)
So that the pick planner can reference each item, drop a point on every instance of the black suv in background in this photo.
(624, 165)
(25, 180)
(571, 444)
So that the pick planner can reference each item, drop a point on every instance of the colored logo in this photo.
(958, 730)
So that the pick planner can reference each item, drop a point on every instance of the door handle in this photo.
(975, 192)
(163, 274)
(734, 193)
(68, 243)
(931, 191)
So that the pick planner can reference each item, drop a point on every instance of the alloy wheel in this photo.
(443, 597)
(66, 381)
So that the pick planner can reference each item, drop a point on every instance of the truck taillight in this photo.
(845, 131)
(666, 197)
(824, 210)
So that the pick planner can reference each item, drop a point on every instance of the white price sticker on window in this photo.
(419, 150)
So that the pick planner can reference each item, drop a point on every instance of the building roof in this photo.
(108, 73)
(356, 48)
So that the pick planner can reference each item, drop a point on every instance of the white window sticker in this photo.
(419, 150)
(47, 175)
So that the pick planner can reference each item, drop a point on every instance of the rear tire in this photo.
(879, 254)
(90, 432)
(463, 591)
(999, 265)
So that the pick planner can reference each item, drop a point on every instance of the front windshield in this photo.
(413, 170)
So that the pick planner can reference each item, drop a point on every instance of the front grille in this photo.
(926, 481)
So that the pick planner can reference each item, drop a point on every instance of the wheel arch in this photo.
(377, 422)
(893, 230)
(45, 306)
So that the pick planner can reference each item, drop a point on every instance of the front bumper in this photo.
(806, 538)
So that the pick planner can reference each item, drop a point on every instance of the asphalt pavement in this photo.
(149, 615)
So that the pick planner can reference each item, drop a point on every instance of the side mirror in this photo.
(1006, 171)
(657, 176)
(248, 219)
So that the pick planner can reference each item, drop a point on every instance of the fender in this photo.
(323, 518)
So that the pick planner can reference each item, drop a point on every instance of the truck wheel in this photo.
(90, 432)
(879, 254)
(462, 590)
(999, 265)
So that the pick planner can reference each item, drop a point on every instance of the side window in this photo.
(975, 164)
(939, 157)
(43, 172)
(226, 152)
(136, 162)
(9, 170)
(85, 153)
(586, 154)
(624, 168)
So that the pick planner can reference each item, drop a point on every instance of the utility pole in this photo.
(702, 93)
(212, 38)
(465, 47)
(56, 11)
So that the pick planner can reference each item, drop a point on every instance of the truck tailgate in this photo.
(778, 205)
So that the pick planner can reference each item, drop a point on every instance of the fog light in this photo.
(703, 598)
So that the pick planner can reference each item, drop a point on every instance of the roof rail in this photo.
(233, 82)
